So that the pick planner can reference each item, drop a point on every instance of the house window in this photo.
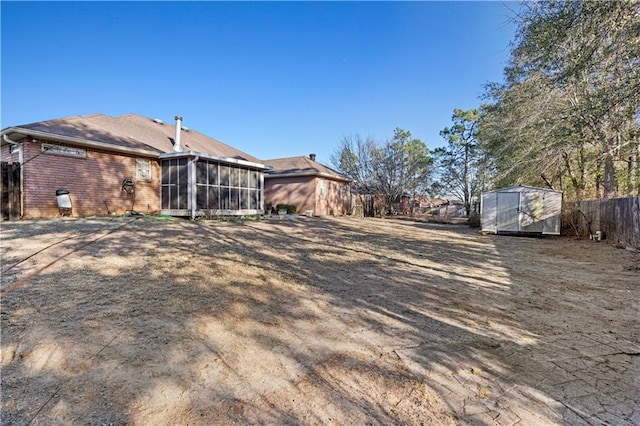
(322, 188)
(13, 149)
(143, 169)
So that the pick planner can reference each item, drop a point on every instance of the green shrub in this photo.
(290, 208)
(474, 220)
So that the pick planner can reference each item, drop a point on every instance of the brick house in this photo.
(307, 184)
(129, 162)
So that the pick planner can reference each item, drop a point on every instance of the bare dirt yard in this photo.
(110, 321)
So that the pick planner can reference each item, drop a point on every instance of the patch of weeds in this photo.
(233, 219)
(484, 392)
(162, 217)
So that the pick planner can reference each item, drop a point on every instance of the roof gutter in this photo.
(8, 140)
(300, 174)
(71, 140)
(201, 155)
(108, 147)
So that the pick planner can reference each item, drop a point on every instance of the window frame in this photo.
(141, 164)
(322, 188)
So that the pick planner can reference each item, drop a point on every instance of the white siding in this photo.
(488, 211)
(521, 209)
(507, 214)
(552, 213)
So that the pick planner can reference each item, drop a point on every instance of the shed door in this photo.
(531, 206)
(508, 211)
(488, 211)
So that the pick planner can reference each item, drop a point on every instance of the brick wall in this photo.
(304, 193)
(91, 181)
(6, 156)
(298, 190)
(334, 202)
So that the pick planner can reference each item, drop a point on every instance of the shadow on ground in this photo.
(312, 321)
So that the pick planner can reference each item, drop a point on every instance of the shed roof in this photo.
(519, 188)
(128, 132)
(300, 166)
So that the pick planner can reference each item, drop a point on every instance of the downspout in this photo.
(261, 192)
(21, 161)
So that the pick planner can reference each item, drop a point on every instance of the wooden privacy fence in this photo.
(10, 184)
(618, 219)
(364, 205)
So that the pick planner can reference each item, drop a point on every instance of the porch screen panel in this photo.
(234, 193)
(165, 184)
(224, 199)
(213, 174)
(202, 195)
(224, 175)
(166, 172)
(253, 199)
(244, 178)
(201, 173)
(165, 197)
(225, 187)
(235, 177)
(214, 197)
(182, 184)
(244, 198)
(174, 184)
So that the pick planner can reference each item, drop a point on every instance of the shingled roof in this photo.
(128, 132)
(300, 166)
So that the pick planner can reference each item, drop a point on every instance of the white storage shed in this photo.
(521, 210)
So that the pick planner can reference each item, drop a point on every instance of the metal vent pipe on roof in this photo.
(312, 157)
(176, 145)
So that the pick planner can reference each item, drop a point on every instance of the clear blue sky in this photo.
(272, 79)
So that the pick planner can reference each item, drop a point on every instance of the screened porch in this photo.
(195, 184)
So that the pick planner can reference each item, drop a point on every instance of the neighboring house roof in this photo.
(300, 166)
(126, 133)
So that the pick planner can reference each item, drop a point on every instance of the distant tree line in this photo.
(397, 167)
(566, 116)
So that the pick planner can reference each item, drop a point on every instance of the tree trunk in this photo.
(610, 182)
(638, 171)
(635, 166)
